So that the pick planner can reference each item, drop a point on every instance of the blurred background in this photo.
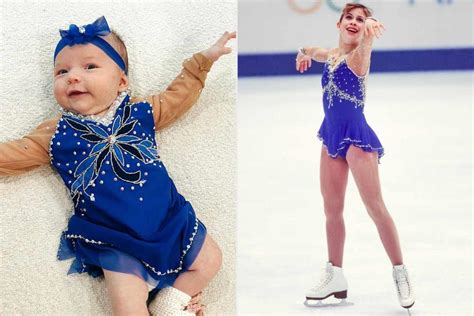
(419, 103)
(420, 35)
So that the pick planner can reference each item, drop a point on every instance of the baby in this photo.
(130, 224)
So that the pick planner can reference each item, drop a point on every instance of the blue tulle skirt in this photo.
(91, 258)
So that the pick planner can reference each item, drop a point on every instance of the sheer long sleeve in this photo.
(31, 151)
(182, 93)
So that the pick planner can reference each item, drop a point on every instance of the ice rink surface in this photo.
(424, 121)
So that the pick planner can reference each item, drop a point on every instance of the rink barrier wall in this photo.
(283, 64)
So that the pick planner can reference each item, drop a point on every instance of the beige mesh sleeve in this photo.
(182, 93)
(31, 151)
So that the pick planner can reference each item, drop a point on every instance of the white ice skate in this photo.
(172, 302)
(406, 296)
(332, 282)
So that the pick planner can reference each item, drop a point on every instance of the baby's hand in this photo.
(373, 27)
(218, 49)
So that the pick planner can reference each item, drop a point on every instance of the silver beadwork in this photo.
(333, 90)
(105, 119)
(180, 267)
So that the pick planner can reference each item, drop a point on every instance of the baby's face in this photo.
(86, 80)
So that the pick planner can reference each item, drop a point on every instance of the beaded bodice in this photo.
(343, 91)
(112, 169)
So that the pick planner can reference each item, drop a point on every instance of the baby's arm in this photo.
(359, 59)
(307, 54)
(186, 88)
(182, 93)
(31, 151)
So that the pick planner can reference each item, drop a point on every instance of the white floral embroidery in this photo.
(333, 90)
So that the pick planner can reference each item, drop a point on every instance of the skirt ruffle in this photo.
(338, 137)
(92, 258)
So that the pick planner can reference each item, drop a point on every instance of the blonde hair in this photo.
(351, 6)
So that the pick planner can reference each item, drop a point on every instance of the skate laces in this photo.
(324, 279)
(403, 284)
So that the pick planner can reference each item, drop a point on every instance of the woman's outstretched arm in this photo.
(359, 59)
(307, 54)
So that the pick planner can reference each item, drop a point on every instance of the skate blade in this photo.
(320, 303)
(408, 310)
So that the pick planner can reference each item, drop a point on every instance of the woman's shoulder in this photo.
(322, 55)
(333, 53)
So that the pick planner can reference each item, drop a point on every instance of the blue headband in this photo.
(90, 33)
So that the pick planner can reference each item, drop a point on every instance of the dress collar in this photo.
(105, 119)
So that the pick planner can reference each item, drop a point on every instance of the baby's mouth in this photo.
(76, 93)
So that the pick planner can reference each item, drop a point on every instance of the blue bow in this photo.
(90, 33)
(84, 34)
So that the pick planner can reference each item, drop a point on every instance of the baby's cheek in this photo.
(59, 93)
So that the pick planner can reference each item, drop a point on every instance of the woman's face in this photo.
(352, 26)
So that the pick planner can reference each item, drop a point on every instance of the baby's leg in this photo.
(128, 293)
(203, 269)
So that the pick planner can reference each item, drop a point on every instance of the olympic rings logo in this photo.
(315, 6)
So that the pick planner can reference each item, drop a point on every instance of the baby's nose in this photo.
(73, 77)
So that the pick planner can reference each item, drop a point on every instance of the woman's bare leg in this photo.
(203, 269)
(333, 183)
(128, 293)
(364, 168)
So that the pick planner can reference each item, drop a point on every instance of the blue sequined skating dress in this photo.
(344, 121)
(128, 216)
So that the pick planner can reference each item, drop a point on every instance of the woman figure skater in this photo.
(350, 144)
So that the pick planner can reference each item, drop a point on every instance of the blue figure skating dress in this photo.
(344, 122)
(128, 215)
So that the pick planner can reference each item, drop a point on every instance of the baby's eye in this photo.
(61, 72)
(91, 66)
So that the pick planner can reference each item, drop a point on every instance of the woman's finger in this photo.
(298, 62)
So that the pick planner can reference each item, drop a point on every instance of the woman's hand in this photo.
(218, 49)
(303, 62)
(373, 28)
